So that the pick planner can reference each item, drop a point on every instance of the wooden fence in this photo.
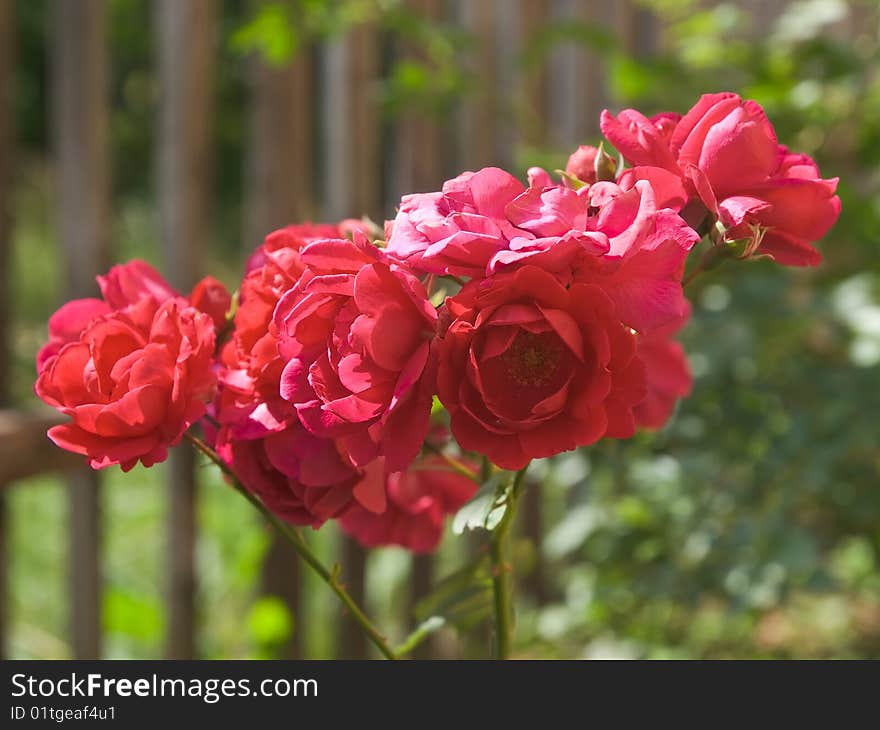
(316, 119)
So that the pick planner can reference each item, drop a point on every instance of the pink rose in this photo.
(459, 229)
(667, 374)
(419, 501)
(630, 249)
(582, 164)
(355, 333)
(724, 156)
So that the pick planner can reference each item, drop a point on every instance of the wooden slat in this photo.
(186, 32)
(535, 582)
(351, 153)
(352, 166)
(352, 641)
(366, 123)
(577, 93)
(79, 73)
(419, 154)
(279, 191)
(26, 451)
(6, 146)
(534, 14)
(422, 578)
(280, 172)
(478, 111)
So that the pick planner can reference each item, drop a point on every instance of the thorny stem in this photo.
(293, 536)
(501, 569)
(454, 464)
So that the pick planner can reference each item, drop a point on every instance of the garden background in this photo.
(182, 132)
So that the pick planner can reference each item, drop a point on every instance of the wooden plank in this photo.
(352, 642)
(186, 33)
(419, 155)
(25, 450)
(6, 150)
(280, 170)
(351, 160)
(422, 578)
(279, 191)
(79, 75)
(534, 15)
(351, 152)
(368, 155)
(478, 111)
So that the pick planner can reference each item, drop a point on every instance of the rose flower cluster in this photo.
(540, 315)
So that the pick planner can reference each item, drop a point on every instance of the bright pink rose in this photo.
(458, 230)
(530, 367)
(132, 382)
(667, 374)
(724, 155)
(303, 478)
(355, 333)
(634, 249)
(628, 248)
(582, 164)
(418, 502)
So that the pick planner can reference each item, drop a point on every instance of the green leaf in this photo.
(484, 510)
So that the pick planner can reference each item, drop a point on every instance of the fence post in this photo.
(7, 38)
(351, 164)
(419, 155)
(279, 191)
(478, 139)
(280, 174)
(185, 55)
(79, 74)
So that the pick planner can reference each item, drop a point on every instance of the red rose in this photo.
(212, 298)
(68, 323)
(667, 374)
(303, 478)
(355, 332)
(530, 368)
(724, 157)
(133, 282)
(418, 502)
(132, 382)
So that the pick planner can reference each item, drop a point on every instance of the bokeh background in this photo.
(182, 131)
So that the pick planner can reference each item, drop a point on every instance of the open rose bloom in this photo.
(519, 318)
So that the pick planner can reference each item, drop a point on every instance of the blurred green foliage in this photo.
(749, 527)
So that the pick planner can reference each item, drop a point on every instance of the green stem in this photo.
(454, 464)
(293, 536)
(501, 569)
